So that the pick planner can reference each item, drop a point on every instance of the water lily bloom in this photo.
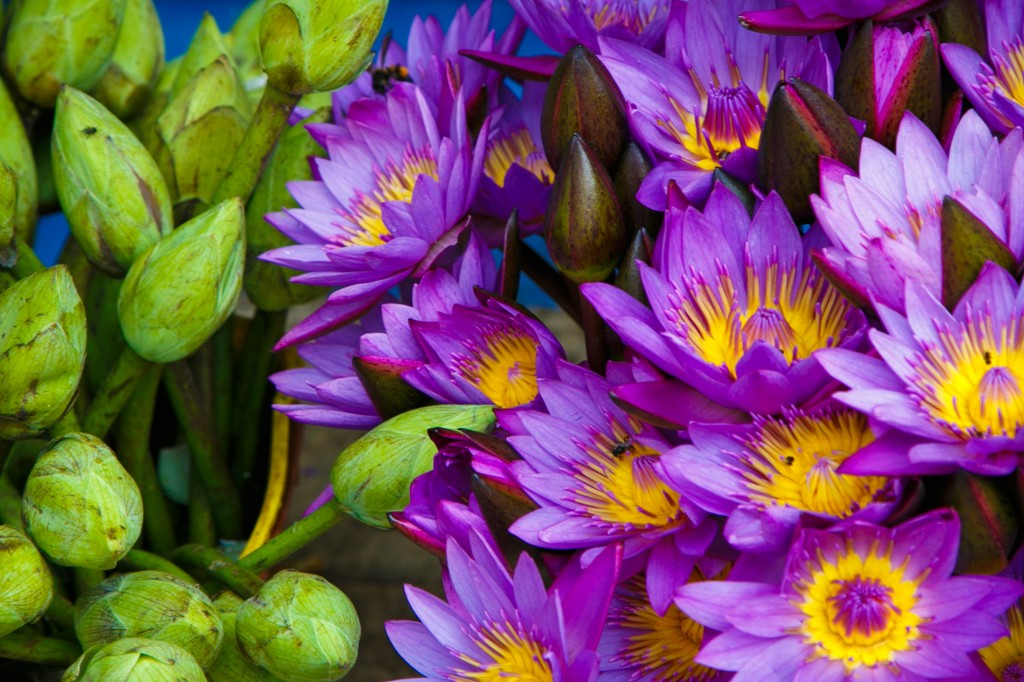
(484, 355)
(598, 477)
(807, 17)
(1005, 657)
(861, 602)
(391, 197)
(777, 472)
(495, 625)
(950, 384)
(563, 24)
(737, 311)
(885, 223)
(993, 86)
(701, 106)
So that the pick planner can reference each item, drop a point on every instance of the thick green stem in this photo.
(140, 560)
(43, 650)
(264, 331)
(595, 332)
(201, 529)
(550, 280)
(67, 424)
(114, 392)
(86, 578)
(132, 432)
(223, 374)
(260, 137)
(10, 503)
(27, 262)
(294, 537)
(5, 451)
(61, 613)
(216, 564)
(206, 456)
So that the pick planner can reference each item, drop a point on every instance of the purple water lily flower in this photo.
(770, 476)
(1005, 657)
(497, 626)
(563, 24)
(950, 385)
(885, 224)
(485, 355)
(860, 602)
(702, 105)
(737, 312)
(807, 17)
(390, 199)
(994, 86)
(598, 478)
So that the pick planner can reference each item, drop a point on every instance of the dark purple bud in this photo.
(628, 276)
(967, 244)
(632, 169)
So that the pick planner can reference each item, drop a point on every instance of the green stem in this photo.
(206, 456)
(201, 529)
(595, 333)
(550, 280)
(264, 331)
(294, 537)
(140, 560)
(5, 451)
(244, 171)
(61, 613)
(86, 578)
(10, 503)
(241, 581)
(7, 280)
(133, 432)
(27, 263)
(43, 650)
(114, 392)
(223, 372)
(65, 425)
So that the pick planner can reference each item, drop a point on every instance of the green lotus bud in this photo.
(584, 229)
(201, 128)
(501, 505)
(26, 586)
(299, 627)
(244, 42)
(989, 520)
(629, 174)
(179, 293)
(628, 277)
(135, 659)
(42, 351)
(208, 44)
(961, 21)
(138, 56)
(310, 45)
(8, 206)
(967, 244)
(372, 476)
(50, 42)
(150, 604)
(144, 124)
(80, 506)
(16, 153)
(802, 124)
(267, 284)
(582, 99)
(382, 378)
(110, 188)
(231, 664)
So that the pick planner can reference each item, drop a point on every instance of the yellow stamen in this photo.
(1005, 77)
(509, 655)
(516, 147)
(505, 369)
(1005, 658)
(859, 610)
(629, 15)
(364, 225)
(795, 462)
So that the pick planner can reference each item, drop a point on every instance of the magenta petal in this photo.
(770, 615)
(708, 602)
(676, 403)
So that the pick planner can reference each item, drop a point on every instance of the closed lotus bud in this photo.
(8, 207)
(267, 284)
(802, 124)
(961, 21)
(244, 42)
(967, 244)
(584, 229)
(629, 174)
(144, 124)
(26, 586)
(208, 44)
(53, 42)
(150, 604)
(135, 659)
(299, 627)
(179, 293)
(110, 188)
(582, 99)
(372, 476)
(131, 73)
(42, 351)
(231, 665)
(502, 504)
(988, 522)
(201, 129)
(16, 154)
(382, 378)
(317, 45)
(628, 277)
(886, 72)
(80, 506)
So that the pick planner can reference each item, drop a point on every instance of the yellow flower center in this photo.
(630, 15)
(516, 147)
(795, 462)
(509, 656)
(364, 225)
(1005, 657)
(796, 314)
(859, 610)
(662, 647)
(1005, 77)
(970, 381)
(504, 369)
(619, 485)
